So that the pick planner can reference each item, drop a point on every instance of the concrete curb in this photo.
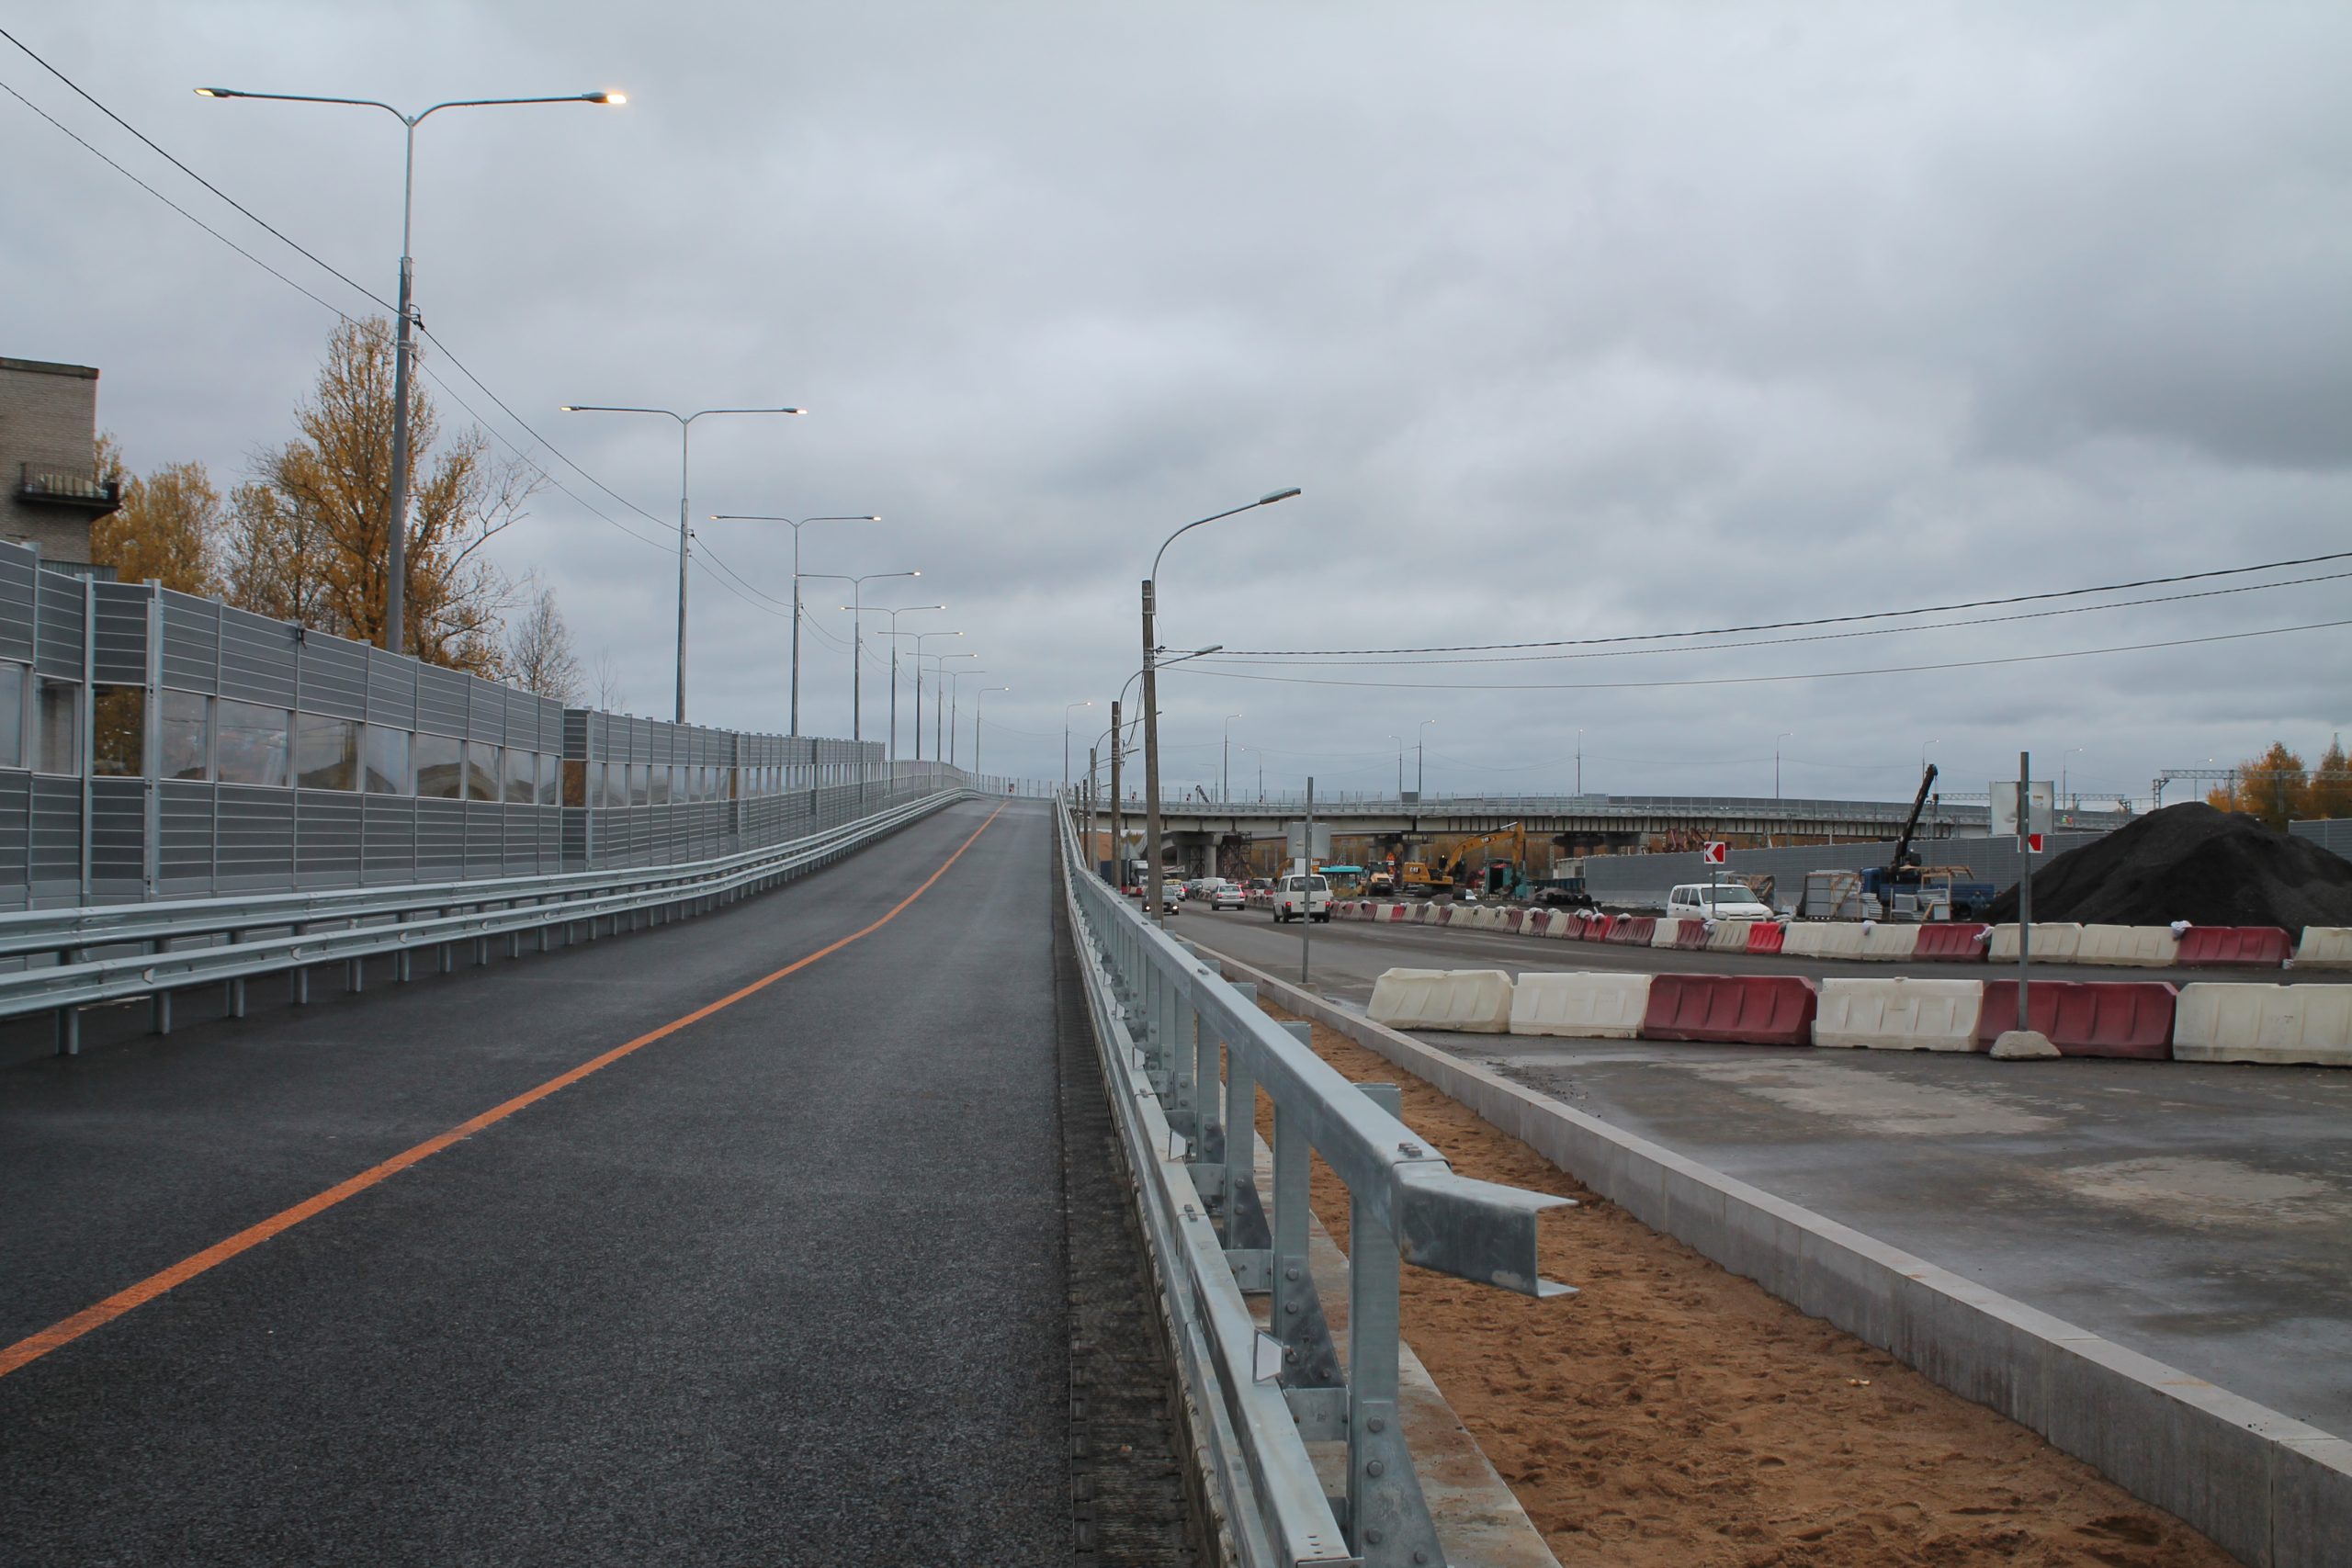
(2268, 1489)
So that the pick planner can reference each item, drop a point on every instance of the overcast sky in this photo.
(1570, 320)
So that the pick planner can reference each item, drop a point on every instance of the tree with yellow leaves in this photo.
(168, 527)
(2273, 787)
(306, 538)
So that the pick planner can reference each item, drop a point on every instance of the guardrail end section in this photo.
(1475, 1230)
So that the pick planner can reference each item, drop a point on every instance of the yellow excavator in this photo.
(1492, 874)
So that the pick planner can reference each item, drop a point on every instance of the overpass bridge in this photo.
(1196, 827)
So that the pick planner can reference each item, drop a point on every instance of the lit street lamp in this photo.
(797, 524)
(1151, 695)
(685, 535)
(405, 337)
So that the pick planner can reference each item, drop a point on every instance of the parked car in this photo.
(1302, 896)
(1715, 901)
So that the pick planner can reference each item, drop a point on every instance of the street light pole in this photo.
(983, 692)
(1151, 698)
(1420, 779)
(1224, 788)
(796, 525)
(1784, 734)
(404, 333)
(1068, 708)
(919, 658)
(938, 708)
(894, 634)
(857, 639)
(685, 534)
(955, 707)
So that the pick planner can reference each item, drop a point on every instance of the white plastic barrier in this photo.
(2324, 947)
(1584, 1006)
(2057, 943)
(1822, 939)
(2125, 947)
(1888, 942)
(1729, 936)
(1667, 933)
(1899, 1014)
(2229, 1021)
(1476, 1000)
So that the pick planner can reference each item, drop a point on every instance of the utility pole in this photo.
(1118, 854)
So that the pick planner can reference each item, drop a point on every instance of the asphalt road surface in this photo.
(2198, 1213)
(783, 1285)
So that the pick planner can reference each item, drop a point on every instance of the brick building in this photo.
(50, 491)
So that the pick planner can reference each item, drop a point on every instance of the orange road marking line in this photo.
(34, 1346)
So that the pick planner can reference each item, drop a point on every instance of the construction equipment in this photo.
(1495, 875)
(1903, 889)
(1413, 879)
(1565, 888)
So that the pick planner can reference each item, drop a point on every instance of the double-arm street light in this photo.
(685, 534)
(856, 608)
(1151, 692)
(983, 692)
(894, 613)
(404, 333)
(797, 524)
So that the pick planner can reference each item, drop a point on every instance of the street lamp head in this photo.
(218, 93)
(616, 99)
(1278, 495)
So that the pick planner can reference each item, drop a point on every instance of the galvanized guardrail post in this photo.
(1166, 1022)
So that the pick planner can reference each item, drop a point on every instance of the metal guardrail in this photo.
(1957, 812)
(229, 941)
(1185, 1054)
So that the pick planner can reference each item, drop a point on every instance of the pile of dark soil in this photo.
(2192, 863)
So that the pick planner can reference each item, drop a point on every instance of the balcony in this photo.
(66, 487)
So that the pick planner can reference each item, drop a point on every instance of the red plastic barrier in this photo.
(1949, 942)
(1731, 1010)
(1514, 919)
(1420, 914)
(1538, 922)
(1597, 927)
(1633, 930)
(1445, 914)
(2252, 947)
(1766, 936)
(1690, 936)
(1395, 912)
(2086, 1017)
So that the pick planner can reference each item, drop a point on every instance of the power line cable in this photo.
(1797, 625)
(1766, 680)
(1818, 637)
(270, 228)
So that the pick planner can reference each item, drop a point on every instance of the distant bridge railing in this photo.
(1185, 1054)
(63, 960)
(1593, 806)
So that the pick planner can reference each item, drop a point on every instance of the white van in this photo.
(1715, 901)
(1307, 896)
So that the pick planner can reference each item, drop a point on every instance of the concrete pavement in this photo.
(2198, 1213)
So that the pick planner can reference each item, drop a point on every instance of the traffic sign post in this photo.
(1713, 857)
(2023, 808)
